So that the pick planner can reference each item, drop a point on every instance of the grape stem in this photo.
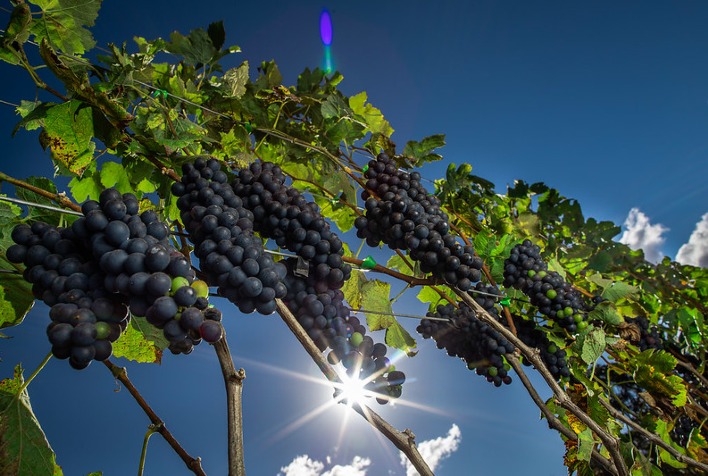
(233, 379)
(39, 368)
(403, 440)
(193, 464)
(553, 421)
(563, 399)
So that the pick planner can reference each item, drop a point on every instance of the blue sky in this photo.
(607, 102)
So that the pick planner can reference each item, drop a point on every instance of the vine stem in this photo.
(143, 453)
(403, 440)
(60, 198)
(193, 464)
(412, 280)
(652, 437)
(553, 421)
(563, 399)
(233, 380)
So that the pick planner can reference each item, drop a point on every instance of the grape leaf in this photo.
(140, 342)
(35, 213)
(235, 80)
(606, 312)
(62, 23)
(423, 151)
(372, 116)
(24, 448)
(653, 371)
(586, 443)
(16, 297)
(429, 295)
(114, 175)
(662, 429)
(618, 290)
(375, 297)
(352, 289)
(68, 130)
(593, 345)
(399, 338)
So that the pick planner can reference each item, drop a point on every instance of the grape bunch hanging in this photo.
(402, 214)
(221, 218)
(112, 262)
(555, 298)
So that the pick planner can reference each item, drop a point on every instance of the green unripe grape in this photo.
(492, 371)
(531, 273)
(568, 311)
(177, 283)
(201, 288)
(560, 314)
(552, 349)
(578, 318)
(582, 325)
(507, 367)
(103, 330)
(542, 274)
(356, 339)
(551, 294)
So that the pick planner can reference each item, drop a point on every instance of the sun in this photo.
(352, 391)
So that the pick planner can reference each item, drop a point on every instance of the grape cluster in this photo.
(531, 335)
(282, 213)
(525, 270)
(648, 338)
(401, 213)
(110, 260)
(221, 228)
(85, 319)
(328, 322)
(464, 335)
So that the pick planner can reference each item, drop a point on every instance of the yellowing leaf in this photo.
(140, 342)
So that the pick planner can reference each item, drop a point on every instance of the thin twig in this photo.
(60, 198)
(193, 464)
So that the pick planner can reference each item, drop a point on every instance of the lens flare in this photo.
(326, 36)
(326, 28)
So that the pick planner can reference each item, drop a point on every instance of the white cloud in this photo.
(640, 233)
(434, 451)
(303, 465)
(695, 252)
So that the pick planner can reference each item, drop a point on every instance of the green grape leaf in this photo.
(554, 265)
(606, 312)
(372, 117)
(62, 24)
(140, 342)
(428, 294)
(422, 151)
(586, 443)
(217, 34)
(375, 296)
(24, 448)
(334, 107)
(35, 213)
(653, 371)
(68, 130)
(235, 80)
(88, 186)
(618, 290)
(16, 297)
(662, 429)
(353, 288)
(399, 338)
(593, 345)
(197, 48)
(114, 175)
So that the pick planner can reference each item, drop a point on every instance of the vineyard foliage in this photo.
(132, 115)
